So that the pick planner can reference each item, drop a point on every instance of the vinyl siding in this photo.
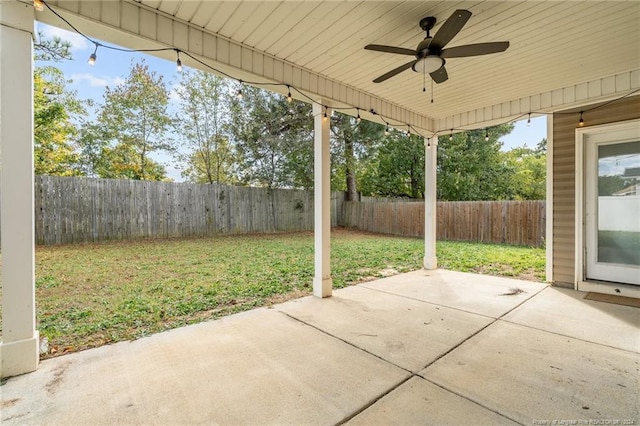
(564, 126)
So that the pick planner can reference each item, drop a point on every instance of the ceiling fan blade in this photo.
(390, 49)
(440, 75)
(450, 28)
(475, 49)
(394, 71)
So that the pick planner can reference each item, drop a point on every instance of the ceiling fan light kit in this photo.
(430, 53)
(428, 65)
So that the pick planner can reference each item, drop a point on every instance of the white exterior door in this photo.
(611, 215)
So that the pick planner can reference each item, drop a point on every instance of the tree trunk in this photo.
(352, 190)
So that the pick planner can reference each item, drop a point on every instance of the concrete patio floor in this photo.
(427, 347)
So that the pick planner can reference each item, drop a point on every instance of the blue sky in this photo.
(112, 67)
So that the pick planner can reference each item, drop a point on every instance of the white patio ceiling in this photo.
(562, 53)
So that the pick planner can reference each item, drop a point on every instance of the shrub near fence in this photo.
(504, 222)
(76, 209)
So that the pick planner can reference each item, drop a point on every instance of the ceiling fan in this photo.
(430, 54)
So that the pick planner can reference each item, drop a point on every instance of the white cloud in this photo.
(95, 81)
(174, 96)
(78, 43)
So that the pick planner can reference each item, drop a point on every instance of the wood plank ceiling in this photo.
(554, 46)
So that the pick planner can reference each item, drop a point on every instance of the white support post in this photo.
(549, 203)
(322, 282)
(19, 347)
(430, 205)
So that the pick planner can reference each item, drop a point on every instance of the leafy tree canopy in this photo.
(134, 120)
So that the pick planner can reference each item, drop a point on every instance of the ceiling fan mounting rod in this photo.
(427, 23)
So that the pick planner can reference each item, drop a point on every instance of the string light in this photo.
(239, 94)
(358, 119)
(486, 135)
(93, 56)
(178, 61)
(325, 118)
(41, 4)
(386, 130)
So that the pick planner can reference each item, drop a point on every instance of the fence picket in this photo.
(78, 209)
(503, 222)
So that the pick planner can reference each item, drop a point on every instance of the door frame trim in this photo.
(581, 283)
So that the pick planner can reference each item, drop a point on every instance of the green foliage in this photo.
(132, 124)
(55, 49)
(608, 185)
(396, 168)
(470, 168)
(350, 144)
(528, 177)
(271, 137)
(201, 123)
(54, 106)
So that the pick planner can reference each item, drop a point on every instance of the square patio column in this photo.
(430, 204)
(19, 347)
(322, 282)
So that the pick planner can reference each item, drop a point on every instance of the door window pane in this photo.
(619, 203)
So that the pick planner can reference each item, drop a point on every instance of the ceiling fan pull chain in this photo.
(424, 80)
(432, 91)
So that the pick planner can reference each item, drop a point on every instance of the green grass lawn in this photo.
(93, 294)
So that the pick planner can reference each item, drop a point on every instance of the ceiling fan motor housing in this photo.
(431, 52)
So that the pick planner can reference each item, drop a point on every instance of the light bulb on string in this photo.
(178, 62)
(451, 135)
(358, 119)
(93, 57)
(529, 121)
(38, 5)
(581, 122)
(486, 135)
(386, 130)
(289, 97)
(239, 94)
(325, 118)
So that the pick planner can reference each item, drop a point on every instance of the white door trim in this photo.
(582, 283)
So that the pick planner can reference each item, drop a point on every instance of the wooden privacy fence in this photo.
(505, 222)
(76, 209)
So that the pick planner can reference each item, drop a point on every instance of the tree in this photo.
(135, 116)
(100, 158)
(201, 122)
(527, 180)
(53, 107)
(351, 143)
(610, 184)
(272, 138)
(54, 49)
(470, 168)
(396, 168)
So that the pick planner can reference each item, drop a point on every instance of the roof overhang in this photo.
(561, 54)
